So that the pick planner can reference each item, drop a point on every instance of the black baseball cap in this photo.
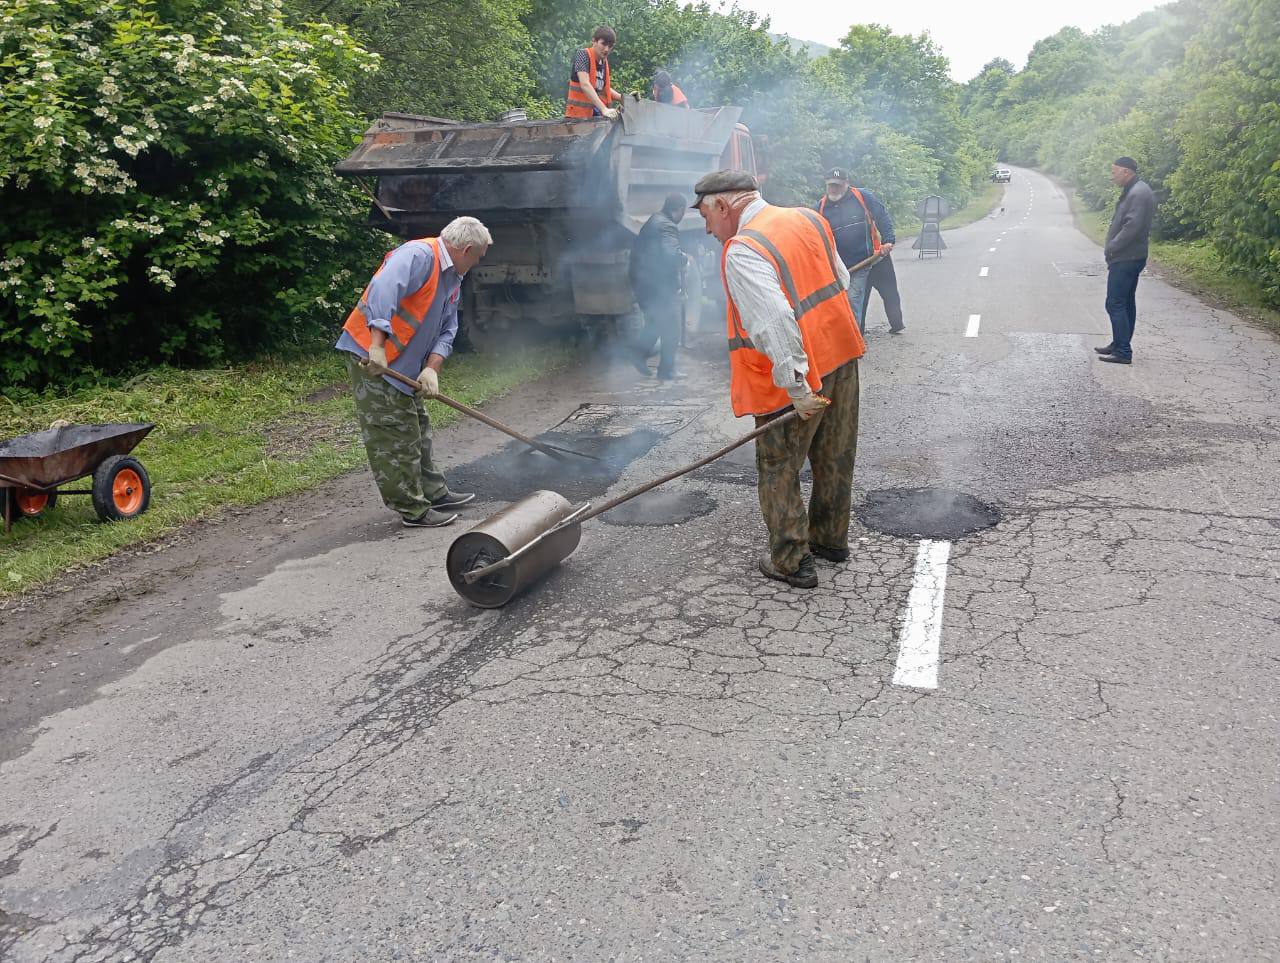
(837, 175)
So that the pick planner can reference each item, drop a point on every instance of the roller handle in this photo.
(585, 511)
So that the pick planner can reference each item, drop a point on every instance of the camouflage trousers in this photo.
(397, 437)
(829, 441)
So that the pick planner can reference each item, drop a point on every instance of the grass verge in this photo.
(982, 204)
(1194, 266)
(228, 437)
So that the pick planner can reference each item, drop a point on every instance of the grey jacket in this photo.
(1131, 224)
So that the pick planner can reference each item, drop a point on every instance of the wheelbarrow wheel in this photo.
(30, 502)
(121, 488)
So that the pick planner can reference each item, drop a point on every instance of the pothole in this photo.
(660, 507)
(926, 513)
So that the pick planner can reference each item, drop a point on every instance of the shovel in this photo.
(555, 451)
(496, 560)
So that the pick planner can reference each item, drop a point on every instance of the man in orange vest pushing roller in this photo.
(590, 84)
(406, 321)
(792, 334)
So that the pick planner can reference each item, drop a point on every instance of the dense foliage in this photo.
(1191, 90)
(166, 165)
(164, 170)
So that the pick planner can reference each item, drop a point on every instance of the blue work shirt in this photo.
(407, 269)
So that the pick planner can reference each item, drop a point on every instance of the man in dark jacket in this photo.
(862, 227)
(657, 269)
(1126, 254)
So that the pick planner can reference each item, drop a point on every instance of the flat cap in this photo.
(721, 182)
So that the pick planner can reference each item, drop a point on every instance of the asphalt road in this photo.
(285, 737)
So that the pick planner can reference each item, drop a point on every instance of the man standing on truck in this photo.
(791, 334)
(657, 269)
(590, 83)
(863, 228)
(406, 321)
(666, 91)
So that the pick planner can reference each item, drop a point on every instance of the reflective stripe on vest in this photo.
(577, 103)
(409, 313)
(801, 249)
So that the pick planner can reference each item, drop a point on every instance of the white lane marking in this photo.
(972, 330)
(991, 250)
(983, 272)
(919, 642)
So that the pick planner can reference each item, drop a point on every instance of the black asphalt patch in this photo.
(516, 470)
(662, 507)
(926, 513)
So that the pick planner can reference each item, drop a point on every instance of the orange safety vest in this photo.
(800, 246)
(678, 99)
(871, 221)
(578, 104)
(410, 312)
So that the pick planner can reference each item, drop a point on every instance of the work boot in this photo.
(452, 499)
(430, 519)
(830, 554)
(805, 576)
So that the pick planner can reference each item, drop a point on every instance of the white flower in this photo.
(43, 122)
(68, 305)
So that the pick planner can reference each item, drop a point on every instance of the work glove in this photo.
(807, 403)
(378, 354)
(428, 383)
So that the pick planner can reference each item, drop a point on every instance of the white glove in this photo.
(808, 404)
(378, 354)
(611, 113)
(428, 383)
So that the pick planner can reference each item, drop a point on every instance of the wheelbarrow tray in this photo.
(56, 456)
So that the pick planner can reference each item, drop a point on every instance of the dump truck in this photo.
(563, 198)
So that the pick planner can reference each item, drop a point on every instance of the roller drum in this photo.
(503, 533)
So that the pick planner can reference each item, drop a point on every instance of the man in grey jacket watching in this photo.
(1126, 254)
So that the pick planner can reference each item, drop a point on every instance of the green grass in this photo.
(1194, 266)
(982, 204)
(226, 437)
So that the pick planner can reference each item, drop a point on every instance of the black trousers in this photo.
(1122, 304)
(885, 280)
(661, 324)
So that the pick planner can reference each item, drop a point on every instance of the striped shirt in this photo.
(766, 313)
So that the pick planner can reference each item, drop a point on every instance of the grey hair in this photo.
(464, 232)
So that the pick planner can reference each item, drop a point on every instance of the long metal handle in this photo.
(586, 512)
(547, 449)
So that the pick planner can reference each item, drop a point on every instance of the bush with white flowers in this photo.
(166, 178)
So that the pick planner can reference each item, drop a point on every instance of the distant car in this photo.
(1001, 175)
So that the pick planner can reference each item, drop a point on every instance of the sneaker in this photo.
(430, 519)
(830, 554)
(805, 576)
(452, 499)
(898, 330)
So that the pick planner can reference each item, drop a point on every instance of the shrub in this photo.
(165, 169)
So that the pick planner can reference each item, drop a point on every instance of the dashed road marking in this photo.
(920, 639)
(983, 273)
(972, 330)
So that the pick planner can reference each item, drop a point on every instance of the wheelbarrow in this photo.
(33, 467)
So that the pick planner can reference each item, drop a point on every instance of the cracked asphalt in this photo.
(283, 736)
